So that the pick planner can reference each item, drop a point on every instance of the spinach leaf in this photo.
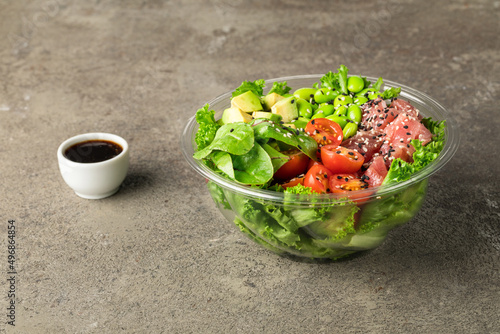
(223, 162)
(234, 138)
(278, 159)
(265, 129)
(253, 167)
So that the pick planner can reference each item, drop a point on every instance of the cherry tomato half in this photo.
(295, 166)
(347, 183)
(317, 178)
(324, 131)
(339, 159)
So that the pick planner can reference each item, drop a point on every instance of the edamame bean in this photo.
(323, 95)
(355, 84)
(318, 115)
(360, 100)
(305, 108)
(349, 130)
(305, 93)
(340, 120)
(301, 122)
(342, 100)
(365, 92)
(354, 113)
(374, 95)
(326, 109)
(340, 111)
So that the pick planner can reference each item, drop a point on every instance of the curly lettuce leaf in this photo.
(328, 221)
(330, 80)
(256, 86)
(280, 88)
(391, 93)
(208, 127)
(218, 195)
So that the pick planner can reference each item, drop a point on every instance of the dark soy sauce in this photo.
(93, 151)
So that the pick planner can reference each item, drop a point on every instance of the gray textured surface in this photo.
(157, 257)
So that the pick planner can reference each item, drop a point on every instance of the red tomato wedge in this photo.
(317, 178)
(295, 166)
(339, 159)
(324, 131)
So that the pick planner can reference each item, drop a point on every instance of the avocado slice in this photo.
(247, 102)
(262, 114)
(286, 108)
(233, 114)
(271, 99)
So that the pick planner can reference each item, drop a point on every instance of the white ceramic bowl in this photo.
(98, 179)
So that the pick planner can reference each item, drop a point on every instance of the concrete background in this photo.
(158, 257)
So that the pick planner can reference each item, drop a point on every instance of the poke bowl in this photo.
(322, 224)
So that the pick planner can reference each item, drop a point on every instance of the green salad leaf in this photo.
(391, 93)
(256, 86)
(208, 127)
(280, 88)
(234, 138)
(336, 81)
(278, 159)
(378, 85)
(222, 160)
(343, 79)
(330, 80)
(266, 129)
(253, 167)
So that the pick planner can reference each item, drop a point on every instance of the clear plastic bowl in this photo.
(299, 225)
